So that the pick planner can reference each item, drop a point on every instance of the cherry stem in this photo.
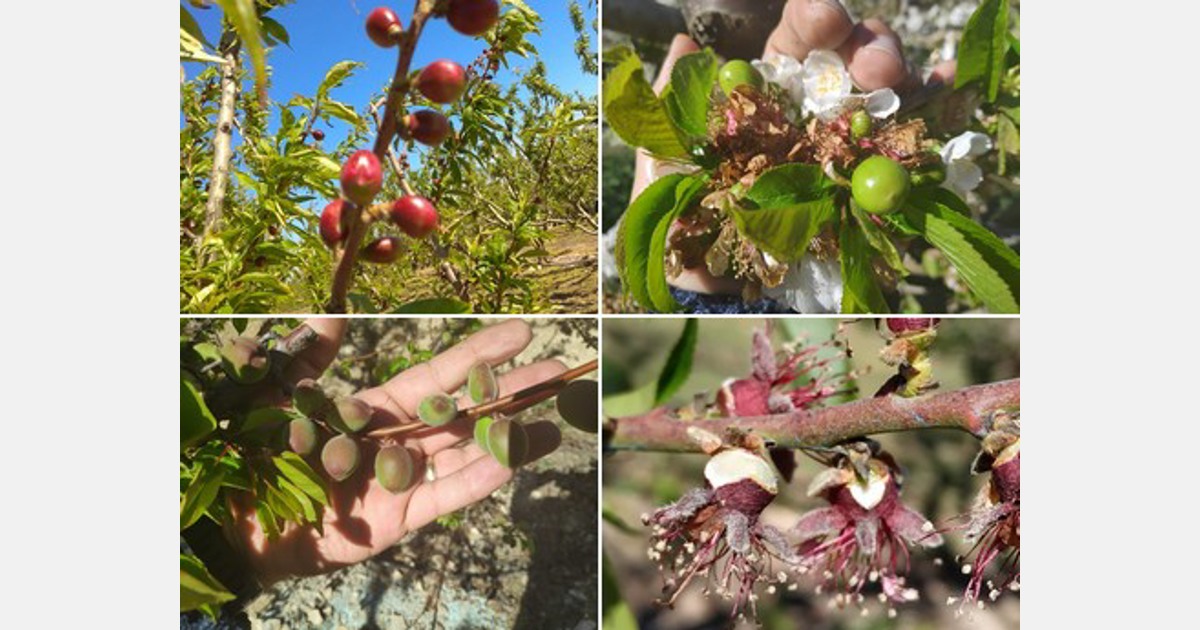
(515, 401)
(969, 409)
(345, 256)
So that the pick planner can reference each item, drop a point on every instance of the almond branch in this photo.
(968, 409)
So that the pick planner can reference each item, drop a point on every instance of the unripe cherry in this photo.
(472, 17)
(362, 177)
(383, 27)
(415, 215)
(442, 81)
(427, 127)
(331, 223)
(382, 250)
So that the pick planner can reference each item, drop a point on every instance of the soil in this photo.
(523, 558)
(569, 280)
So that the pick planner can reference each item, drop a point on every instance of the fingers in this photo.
(873, 56)
(313, 360)
(447, 371)
(513, 381)
(808, 25)
(477, 478)
(468, 474)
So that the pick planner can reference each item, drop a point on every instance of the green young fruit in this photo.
(736, 73)
(309, 399)
(860, 125)
(508, 443)
(340, 457)
(394, 468)
(481, 383)
(481, 432)
(302, 436)
(437, 410)
(880, 185)
(353, 413)
(577, 405)
(245, 360)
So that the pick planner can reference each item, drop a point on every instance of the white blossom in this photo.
(810, 286)
(962, 174)
(784, 71)
(827, 89)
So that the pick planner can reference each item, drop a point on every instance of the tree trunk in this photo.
(223, 137)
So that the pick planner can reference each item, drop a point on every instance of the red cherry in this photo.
(442, 81)
(472, 17)
(383, 27)
(415, 215)
(428, 127)
(382, 250)
(362, 177)
(331, 223)
(908, 325)
(318, 135)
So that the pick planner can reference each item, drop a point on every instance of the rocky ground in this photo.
(523, 558)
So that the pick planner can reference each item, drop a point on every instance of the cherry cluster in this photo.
(442, 81)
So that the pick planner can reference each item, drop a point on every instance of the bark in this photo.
(643, 19)
(218, 183)
(969, 409)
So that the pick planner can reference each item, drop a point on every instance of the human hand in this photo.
(363, 518)
(874, 58)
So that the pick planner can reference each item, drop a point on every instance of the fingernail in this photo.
(885, 44)
(835, 5)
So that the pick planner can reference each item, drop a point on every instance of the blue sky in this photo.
(324, 32)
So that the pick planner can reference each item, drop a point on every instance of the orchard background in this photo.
(514, 185)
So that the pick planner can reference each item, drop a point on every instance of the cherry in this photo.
(383, 27)
(860, 125)
(382, 250)
(428, 127)
(415, 215)
(472, 17)
(331, 223)
(362, 177)
(736, 73)
(880, 185)
(318, 135)
(442, 81)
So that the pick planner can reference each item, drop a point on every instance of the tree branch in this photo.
(345, 257)
(223, 136)
(968, 409)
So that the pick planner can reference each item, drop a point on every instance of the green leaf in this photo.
(860, 289)
(195, 420)
(200, 493)
(265, 418)
(344, 112)
(679, 363)
(434, 306)
(989, 267)
(878, 240)
(634, 112)
(197, 587)
(687, 95)
(296, 470)
(615, 611)
(190, 49)
(302, 499)
(188, 24)
(637, 229)
(656, 274)
(244, 17)
(266, 519)
(275, 30)
(790, 204)
(339, 72)
(984, 44)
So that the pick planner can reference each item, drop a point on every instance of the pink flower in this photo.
(863, 536)
(993, 525)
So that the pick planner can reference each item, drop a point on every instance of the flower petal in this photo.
(818, 523)
(882, 103)
(962, 176)
(967, 144)
(810, 286)
(913, 527)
